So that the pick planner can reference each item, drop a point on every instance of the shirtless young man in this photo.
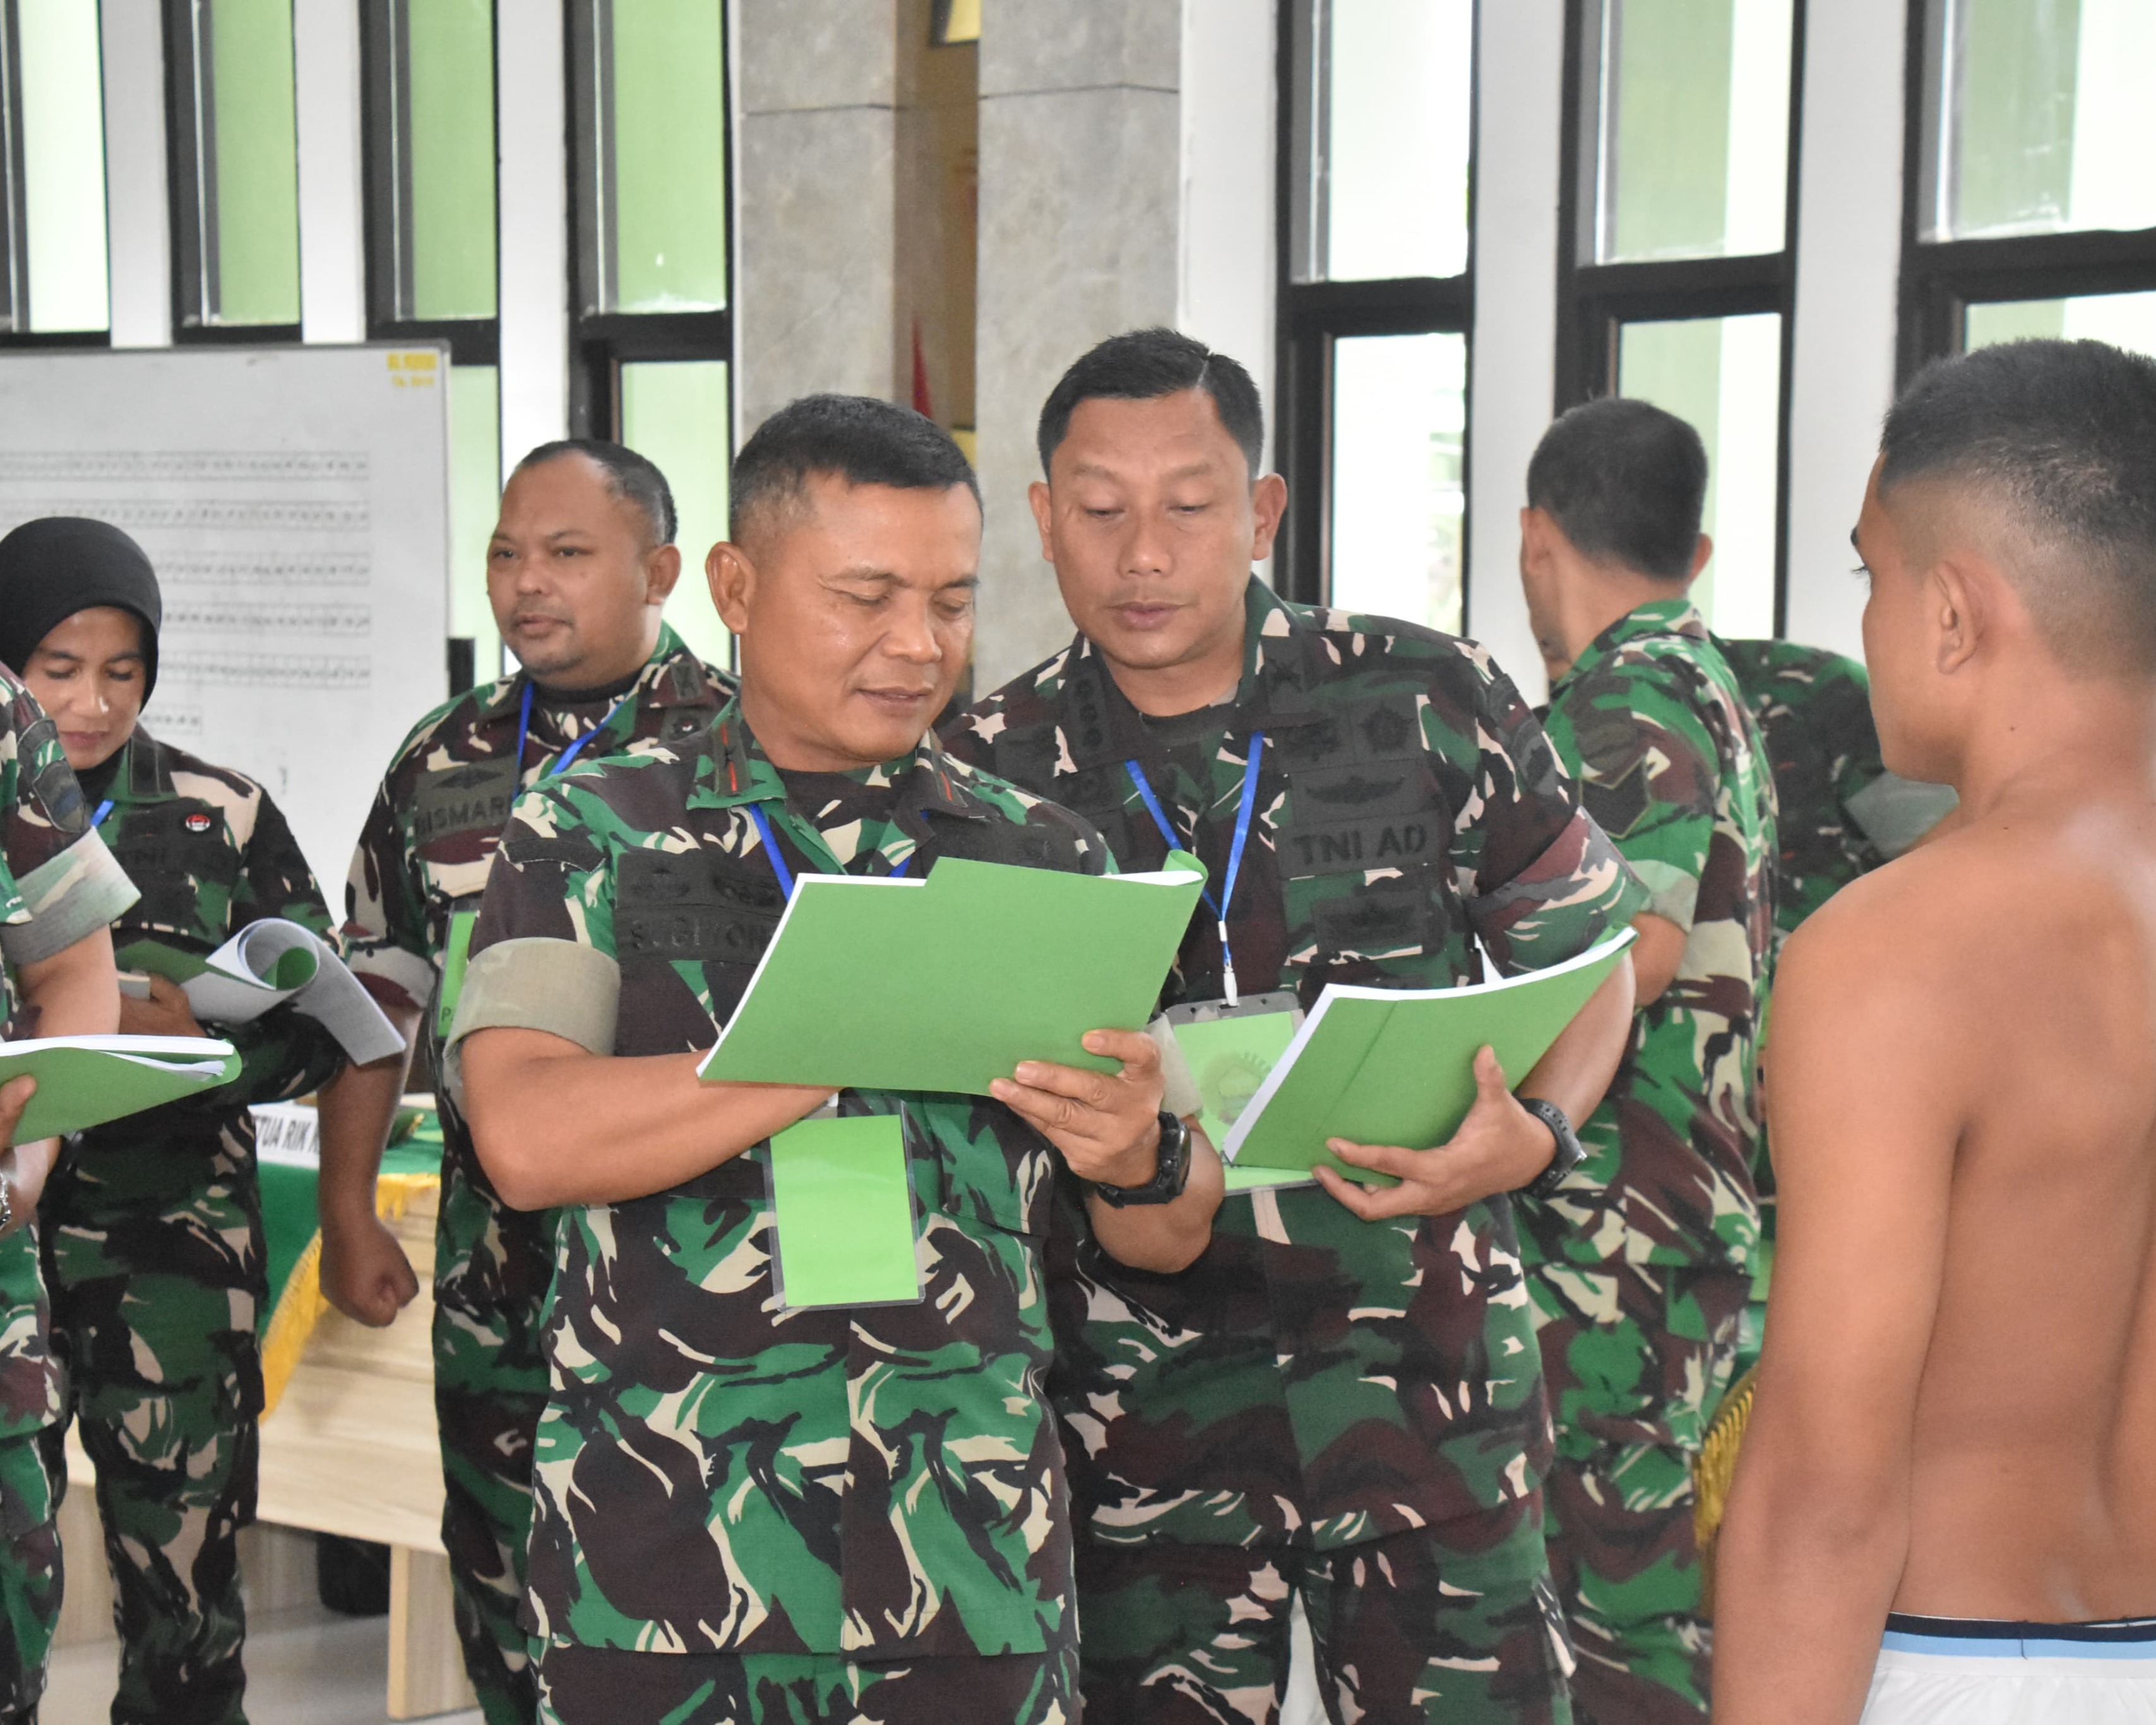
(1957, 1419)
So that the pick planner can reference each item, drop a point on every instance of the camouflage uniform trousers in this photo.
(1636, 1358)
(154, 1257)
(1456, 1623)
(606, 1686)
(30, 1576)
(492, 1268)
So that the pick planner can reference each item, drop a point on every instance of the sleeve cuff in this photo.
(394, 976)
(1672, 893)
(566, 990)
(68, 897)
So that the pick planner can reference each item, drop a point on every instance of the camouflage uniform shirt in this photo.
(212, 853)
(714, 1474)
(1671, 763)
(1814, 711)
(422, 856)
(57, 884)
(1314, 1380)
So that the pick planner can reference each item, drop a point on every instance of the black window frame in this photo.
(385, 120)
(1312, 316)
(1941, 278)
(602, 342)
(1595, 300)
(187, 143)
(15, 308)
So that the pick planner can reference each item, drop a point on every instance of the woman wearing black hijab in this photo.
(153, 1225)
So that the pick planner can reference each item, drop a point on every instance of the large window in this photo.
(235, 169)
(52, 272)
(433, 260)
(653, 233)
(1375, 304)
(2032, 208)
(1676, 257)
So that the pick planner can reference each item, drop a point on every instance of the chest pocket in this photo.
(1001, 841)
(694, 907)
(459, 812)
(181, 858)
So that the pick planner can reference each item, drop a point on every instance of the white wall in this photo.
(1228, 271)
(138, 236)
(332, 223)
(1519, 112)
(533, 192)
(1848, 238)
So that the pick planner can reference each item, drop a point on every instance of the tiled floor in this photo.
(304, 1667)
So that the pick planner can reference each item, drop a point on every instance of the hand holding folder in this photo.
(265, 964)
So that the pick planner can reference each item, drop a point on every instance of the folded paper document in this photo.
(1397, 1066)
(265, 964)
(85, 1081)
(946, 984)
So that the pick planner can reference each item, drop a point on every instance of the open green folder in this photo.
(85, 1081)
(948, 983)
(1397, 1066)
(845, 1214)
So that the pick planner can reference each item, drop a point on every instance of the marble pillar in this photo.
(1080, 235)
(815, 216)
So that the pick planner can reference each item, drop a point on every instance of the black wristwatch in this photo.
(1171, 1171)
(1568, 1157)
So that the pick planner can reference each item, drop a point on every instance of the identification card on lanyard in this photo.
(1230, 1049)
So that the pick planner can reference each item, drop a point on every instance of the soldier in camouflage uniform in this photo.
(1840, 811)
(1341, 1400)
(420, 866)
(152, 1225)
(58, 889)
(747, 1513)
(1640, 1260)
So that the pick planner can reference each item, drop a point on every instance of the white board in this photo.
(295, 504)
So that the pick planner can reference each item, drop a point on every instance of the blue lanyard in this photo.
(104, 808)
(1218, 907)
(778, 863)
(568, 756)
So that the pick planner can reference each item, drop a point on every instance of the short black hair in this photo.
(1626, 481)
(2063, 434)
(862, 440)
(1144, 365)
(634, 479)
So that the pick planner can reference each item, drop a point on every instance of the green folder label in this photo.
(844, 1214)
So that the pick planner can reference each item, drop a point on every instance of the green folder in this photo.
(1397, 1066)
(948, 983)
(85, 1081)
(845, 1214)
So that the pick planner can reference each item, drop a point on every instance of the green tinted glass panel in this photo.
(2047, 124)
(1399, 416)
(448, 57)
(254, 207)
(677, 413)
(1724, 374)
(474, 502)
(663, 202)
(1397, 116)
(1695, 134)
(2127, 320)
(64, 164)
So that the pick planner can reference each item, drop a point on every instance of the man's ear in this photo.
(1036, 494)
(1534, 538)
(662, 568)
(1268, 504)
(1962, 612)
(1700, 553)
(731, 575)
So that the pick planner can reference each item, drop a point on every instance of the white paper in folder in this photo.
(273, 961)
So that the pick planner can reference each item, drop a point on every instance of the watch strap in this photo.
(1171, 1170)
(1567, 1156)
